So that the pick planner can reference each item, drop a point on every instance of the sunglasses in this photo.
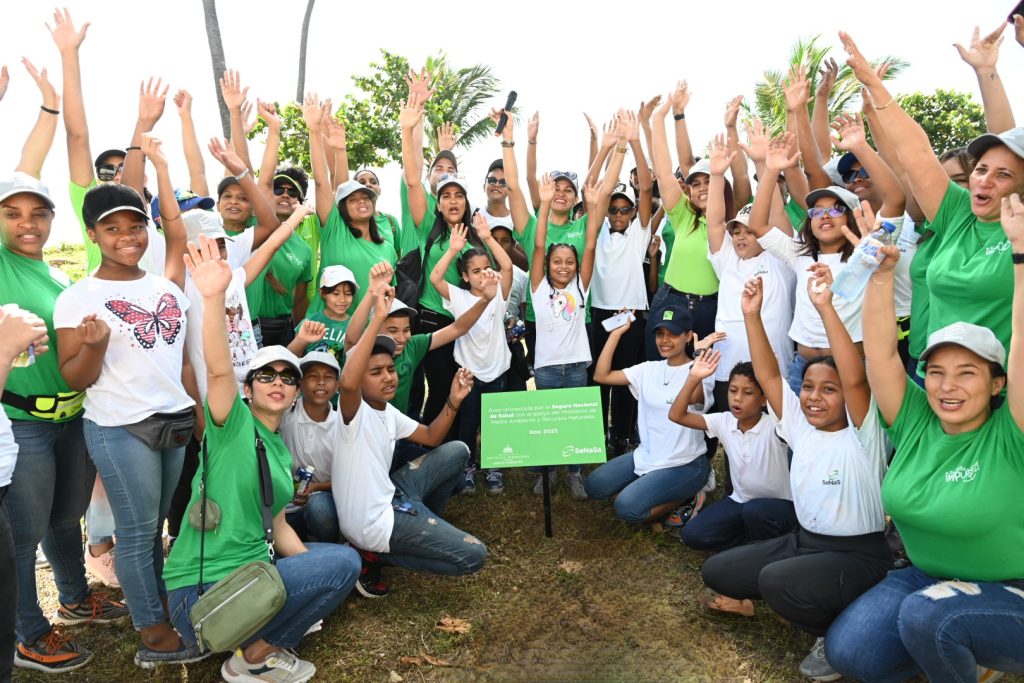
(851, 176)
(107, 172)
(290, 191)
(500, 182)
(268, 375)
(620, 210)
(832, 211)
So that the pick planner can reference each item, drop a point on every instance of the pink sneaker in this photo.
(102, 567)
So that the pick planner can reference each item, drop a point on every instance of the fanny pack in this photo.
(59, 406)
(239, 605)
(165, 430)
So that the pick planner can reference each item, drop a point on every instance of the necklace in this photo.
(666, 378)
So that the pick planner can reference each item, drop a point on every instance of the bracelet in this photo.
(679, 117)
(621, 149)
(451, 405)
(48, 110)
(880, 282)
(1018, 258)
(242, 174)
(168, 218)
(887, 104)
(532, 142)
(131, 147)
(508, 143)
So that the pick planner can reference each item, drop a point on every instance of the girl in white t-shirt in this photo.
(839, 456)
(482, 350)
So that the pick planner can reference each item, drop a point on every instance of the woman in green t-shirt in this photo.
(953, 490)
(317, 577)
(386, 223)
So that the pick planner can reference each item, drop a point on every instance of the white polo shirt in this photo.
(311, 443)
(618, 280)
(758, 463)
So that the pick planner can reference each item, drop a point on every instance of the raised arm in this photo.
(741, 187)
(456, 243)
(501, 258)
(851, 130)
(704, 366)
(309, 332)
(766, 365)
(671, 193)
(434, 434)
(260, 258)
(350, 385)
(39, 141)
(797, 92)
(268, 112)
(532, 130)
(197, 181)
(593, 150)
(775, 161)
(516, 199)
(1012, 218)
(982, 57)
(234, 97)
(600, 155)
(173, 226)
(152, 98)
(380, 278)
(679, 98)
(644, 180)
(644, 116)
(68, 41)
(720, 158)
(546, 192)
(312, 114)
(464, 322)
(266, 218)
(827, 74)
(603, 373)
(334, 137)
(887, 151)
(411, 118)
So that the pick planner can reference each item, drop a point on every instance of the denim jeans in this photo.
(47, 497)
(420, 539)
(139, 483)
(99, 518)
(912, 623)
(8, 591)
(796, 373)
(703, 310)
(639, 494)
(727, 524)
(469, 427)
(316, 582)
(564, 376)
(318, 517)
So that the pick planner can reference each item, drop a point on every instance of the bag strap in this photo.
(202, 518)
(423, 270)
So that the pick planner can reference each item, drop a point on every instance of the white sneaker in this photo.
(102, 567)
(574, 481)
(711, 483)
(281, 667)
(41, 560)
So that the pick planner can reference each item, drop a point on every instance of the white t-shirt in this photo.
(758, 463)
(155, 258)
(561, 325)
(807, 328)
(664, 443)
(619, 268)
(239, 248)
(835, 477)
(141, 372)
(907, 242)
(483, 349)
(311, 443)
(776, 312)
(517, 294)
(8, 449)
(238, 324)
(360, 483)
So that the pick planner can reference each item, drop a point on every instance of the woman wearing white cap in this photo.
(953, 490)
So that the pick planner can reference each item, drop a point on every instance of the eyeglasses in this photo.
(852, 176)
(107, 172)
(290, 191)
(832, 211)
(620, 210)
(268, 375)
(500, 182)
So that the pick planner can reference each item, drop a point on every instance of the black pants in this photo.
(7, 591)
(807, 578)
(277, 330)
(627, 353)
(183, 492)
(438, 368)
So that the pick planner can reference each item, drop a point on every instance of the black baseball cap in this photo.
(103, 200)
(675, 319)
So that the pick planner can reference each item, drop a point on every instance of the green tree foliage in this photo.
(461, 97)
(951, 119)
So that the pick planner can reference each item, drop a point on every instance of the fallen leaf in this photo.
(395, 678)
(422, 659)
(451, 625)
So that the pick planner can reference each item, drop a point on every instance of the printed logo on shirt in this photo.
(832, 479)
(761, 271)
(998, 248)
(165, 322)
(563, 305)
(241, 339)
(962, 474)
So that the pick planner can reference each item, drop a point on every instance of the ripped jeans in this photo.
(912, 623)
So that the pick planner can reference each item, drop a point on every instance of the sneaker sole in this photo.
(74, 621)
(496, 491)
(230, 675)
(367, 594)
(23, 663)
(823, 679)
(145, 664)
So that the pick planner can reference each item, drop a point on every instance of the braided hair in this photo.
(547, 266)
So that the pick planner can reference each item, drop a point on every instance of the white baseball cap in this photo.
(980, 340)
(335, 275)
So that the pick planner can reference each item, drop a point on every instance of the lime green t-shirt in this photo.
(573, 232)
(309, 231)
(291, 264)
(334, 339)
(405, 365)
(92, 251)
(668, 238)
(34, 286)
(339, 246)
(970, 275)
(414, 236)
(797, 214)
(388, 229)
(233, 482)
(919, 296)
(956, 497)
(689, 270)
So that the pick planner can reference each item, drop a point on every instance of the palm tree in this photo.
(300, 90)
(461, 97)
(770, 103)
(217, 58)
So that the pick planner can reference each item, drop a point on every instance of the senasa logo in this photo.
(570, 451)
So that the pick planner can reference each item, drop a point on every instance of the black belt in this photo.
(693, 297)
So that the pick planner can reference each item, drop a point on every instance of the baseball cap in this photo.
(104, 200)
(445, 154)
(844, 164)
(321, 357)
(980, 340)
(187, 199)
(846, 197)
(282, 178)
(109, 153)
(335, 275)
(832, 171)
(272, 354)
(19, 183)
(675, 319)
(347, 188)
(566, 175)
(209, 223)
(624, 191)
(399, 308)
(496, 222)
(1013, 138)
(702, 166)
(496, 165)
(224, 184)
(742, 216)
(387, 342)
(452, 179)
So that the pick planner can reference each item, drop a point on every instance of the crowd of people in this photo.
(302, 376)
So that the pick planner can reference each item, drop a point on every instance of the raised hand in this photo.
(621, 330)
(507, 131)
(312, 113)
(757, 141)
(446, 137)
(1018, 28)
(546, 190)
(797, 90)
(183, 101)
(93, 331)
(222, 152)
(752, 297)
(867, 223)
(457, 240)
(299, 214)
(382, 302)
(984, 52)
(248, 120)
(624, 121)
(232, 91)
(591, 125)
(152, 149)
(381, 274)
(50, 97)
(680, 97)
(779, 156)
(533, 126)
(862, 68)
(647, 108)
(462, 384)
(491, 283)
(705, 364)
(152, 100)
(592, 196)
(828, 71)
(64, 35)
(311, 331)
(653, 246)
(210, 273)
(819, 285)
(5, 80)
(633, 123)
(334, 132)
(483, 228)
(1012, 218)
(608, 134)
(419, 84)
(720, 156)
(851, 132)
(708, 341)
(732, 111)
(412, 113)
(268, 112)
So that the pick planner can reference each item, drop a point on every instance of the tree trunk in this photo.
(217, 59)
(300, 90)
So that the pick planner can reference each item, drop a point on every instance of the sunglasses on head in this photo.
(564, 174)
(290, 191)
(268, 375)
(851, 176)
(107, 172)
(832, 211)
(500, 182)
(619, 210)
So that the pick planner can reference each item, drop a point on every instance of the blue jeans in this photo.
(470, 409)
(139, 483)
(703, 310)
(316, 582)
(8, 591)
(727, 524)
(912, 623)
(796, 373)
(99, 518)
(564, 376)
(48, 495)
(639, 494)
(423, 541)
(318, 517)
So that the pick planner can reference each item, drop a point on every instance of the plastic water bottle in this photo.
(864, 261)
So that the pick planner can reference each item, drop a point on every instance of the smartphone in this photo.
(1019, 9)
(617, 321)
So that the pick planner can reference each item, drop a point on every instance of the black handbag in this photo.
(165, 430)
(410, 276)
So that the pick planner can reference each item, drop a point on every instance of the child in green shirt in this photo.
(325, 330)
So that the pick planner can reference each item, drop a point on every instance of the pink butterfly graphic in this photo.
(166, 320)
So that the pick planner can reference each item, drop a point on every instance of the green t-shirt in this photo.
(92, 252)
(233, 482)
(334, 339)
(797, 215)
(970, 276)
(34, 286)
(291, 264)
(405, 365)
(956, 497)
(414, 236)
(689, 270)
(573, 232)
(388, 229)
(309, 231)
(919, 297)
(668, 238)
(339, 246)
(430, 299)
